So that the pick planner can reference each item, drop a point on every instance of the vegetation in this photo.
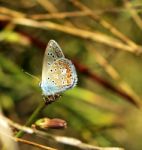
(103, 40)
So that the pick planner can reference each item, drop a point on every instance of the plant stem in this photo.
(32, 118)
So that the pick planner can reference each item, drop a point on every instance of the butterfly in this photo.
(58, 73)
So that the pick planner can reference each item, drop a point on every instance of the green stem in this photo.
(32, 118)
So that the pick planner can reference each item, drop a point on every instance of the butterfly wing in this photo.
(60, 76)
(52, 53)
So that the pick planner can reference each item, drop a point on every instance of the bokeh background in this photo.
(103, 39)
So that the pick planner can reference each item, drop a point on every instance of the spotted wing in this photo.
(52, 53)
(60, 76)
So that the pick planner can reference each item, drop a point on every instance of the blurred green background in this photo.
(95, 110)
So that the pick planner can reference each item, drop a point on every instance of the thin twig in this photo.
(5, 124)
(94, 36)
(11, 12)
(60, 139)
(32, 143)
(107, 25)
(27, 141)
(61, 15)
(134, 14)
(47, 5)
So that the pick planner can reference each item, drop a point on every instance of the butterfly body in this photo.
(59, 73)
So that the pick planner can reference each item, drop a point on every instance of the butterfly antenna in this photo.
(32, 76)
